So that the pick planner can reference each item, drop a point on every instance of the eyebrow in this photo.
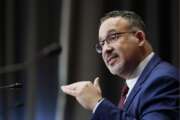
(110, 32)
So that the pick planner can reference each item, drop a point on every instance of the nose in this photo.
(107, 48)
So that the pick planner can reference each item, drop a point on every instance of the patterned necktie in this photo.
(124, 92)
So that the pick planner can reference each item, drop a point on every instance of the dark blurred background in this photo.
(29, 26)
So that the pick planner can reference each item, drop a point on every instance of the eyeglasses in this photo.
(112, 38)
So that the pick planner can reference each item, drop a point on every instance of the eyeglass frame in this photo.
(110, 39)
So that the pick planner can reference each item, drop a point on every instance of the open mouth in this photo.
(111, 60)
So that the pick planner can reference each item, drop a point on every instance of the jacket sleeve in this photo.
(107, 111)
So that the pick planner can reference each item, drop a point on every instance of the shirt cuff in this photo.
(99, 102)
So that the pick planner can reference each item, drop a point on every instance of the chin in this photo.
(116, 70)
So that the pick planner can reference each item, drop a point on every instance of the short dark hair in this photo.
(134, 19)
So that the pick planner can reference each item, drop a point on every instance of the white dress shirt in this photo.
(131, 81)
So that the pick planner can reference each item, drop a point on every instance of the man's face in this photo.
(120, 56)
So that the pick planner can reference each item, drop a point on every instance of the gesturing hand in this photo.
(85, 92)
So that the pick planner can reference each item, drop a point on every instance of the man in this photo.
(153, 84)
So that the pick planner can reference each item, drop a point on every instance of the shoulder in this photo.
(160, 91)
(164, 75)
(166, 69)
(158, 69)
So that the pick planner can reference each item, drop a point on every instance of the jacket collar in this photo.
(146, 72)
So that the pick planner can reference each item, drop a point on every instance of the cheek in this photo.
(127, 51)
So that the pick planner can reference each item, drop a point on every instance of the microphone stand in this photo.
(50, 50)
(12, 86)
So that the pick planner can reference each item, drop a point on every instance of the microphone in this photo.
(52, 49)
(14, 85)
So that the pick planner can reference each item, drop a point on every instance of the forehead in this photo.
(113, 24)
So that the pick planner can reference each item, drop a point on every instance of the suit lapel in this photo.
(146, 72)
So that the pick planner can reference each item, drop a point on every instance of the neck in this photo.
(131, 68)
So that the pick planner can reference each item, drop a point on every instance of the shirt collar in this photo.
(131, 81)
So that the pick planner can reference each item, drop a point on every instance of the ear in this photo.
(140, 35)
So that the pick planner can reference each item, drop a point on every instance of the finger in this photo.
(76, 84)
(68, 90)
(96, 83)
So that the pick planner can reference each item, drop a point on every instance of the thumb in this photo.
(96, 84)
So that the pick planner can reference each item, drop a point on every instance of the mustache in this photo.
(109, 56)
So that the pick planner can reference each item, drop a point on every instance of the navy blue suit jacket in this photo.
(154, 97)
